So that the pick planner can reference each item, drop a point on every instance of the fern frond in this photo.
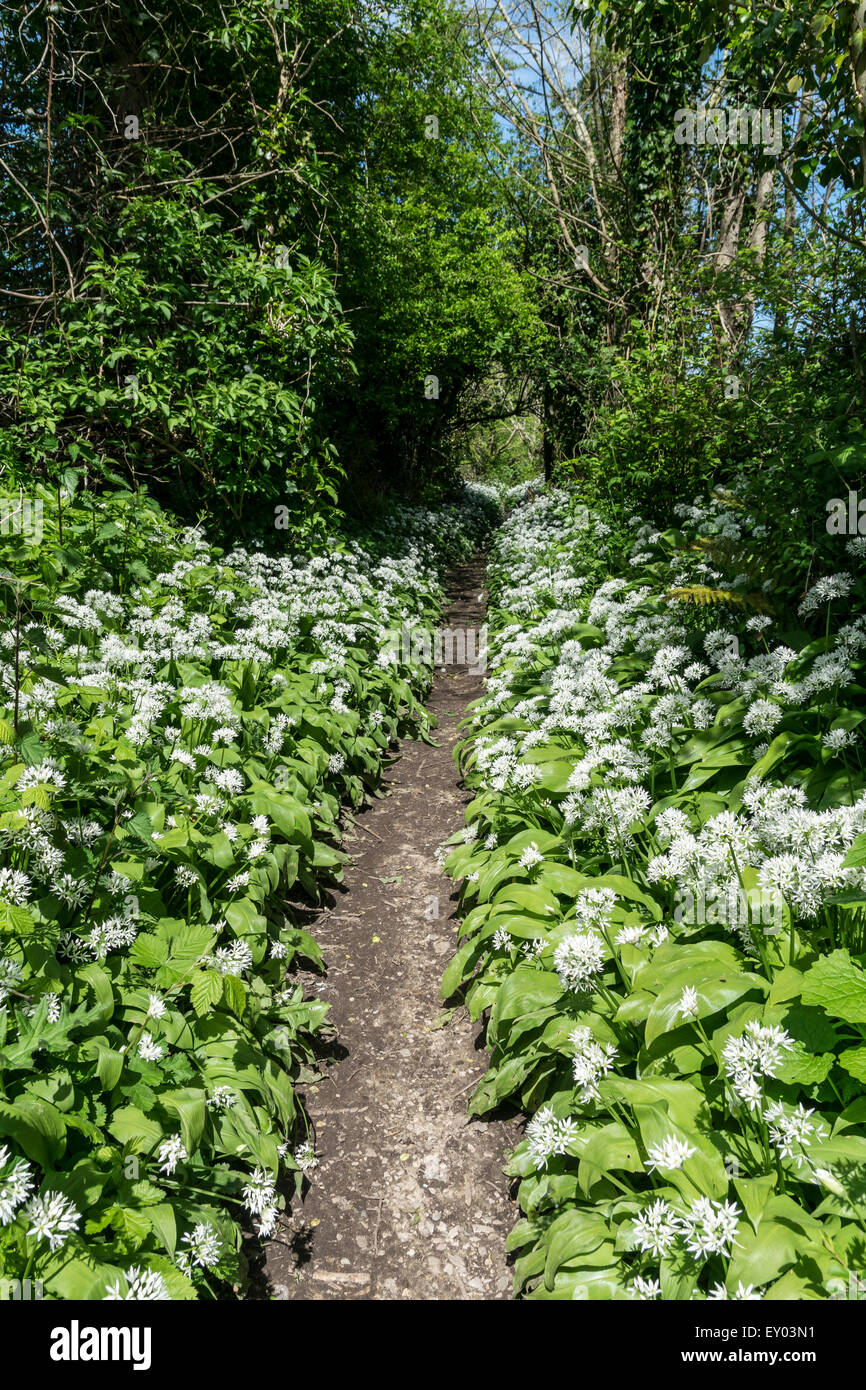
(703, 594)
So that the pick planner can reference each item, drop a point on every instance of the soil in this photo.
(409, 1200)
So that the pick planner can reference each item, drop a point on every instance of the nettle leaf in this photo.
(838, 984)
(149, 950)
(206, 990)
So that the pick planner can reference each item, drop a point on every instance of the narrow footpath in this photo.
(409, 1200)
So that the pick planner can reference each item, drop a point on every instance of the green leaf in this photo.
(838, 985)
(207, 990)
(189, 1104)
(149, 950)
(235, 994)
(109, 1066)
(37, 1127)
(715, 991)
(853, 1060)
(131, 1126)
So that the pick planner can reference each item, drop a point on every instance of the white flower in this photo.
(548, 1135)
(670, 1154)
(709, 1227)
(259, 1191)
(762, 717)
(305, 1157)
(171, 1152)
(591, 1061)
(141, 1284)
(830, 587)
(155, 1006)
(755, 1054)
(204, 1246)
(656, 1228)
(16, 1180)
(837, 740)
(688, 1004)
(645, 1288)
(746, 1292)
(578, 959)
(14, 887)
(223, 1098)
(631, 936)
(234, 959)
(149, 1050)
(531, 856)
(52, 1217)
(789, 1130)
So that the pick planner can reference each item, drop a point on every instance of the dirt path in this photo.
(409, 1200)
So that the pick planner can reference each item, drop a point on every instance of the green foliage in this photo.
(624, 767)
(180, 729)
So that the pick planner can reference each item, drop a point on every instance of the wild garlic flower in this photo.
(531, 856)
(670, 1154)
(578, 959)
(837, 740)
(171, 1153)
(743, 1292)
(708, 1227)
(755, 1054)
(10, 974)
(547, 1135)
(591, 1061)
(631, 936)
(232, 960)
(688, 1004)
(305, 1157)
(148, 1050)
(16, 1180)
(204, 1245)
(790, 1130)
(52, 1217)
(141, 1284)
(645, 1288)
(830, 587)
(221, 1098)
(656, 1228)
(762, 717)
(14, 887)
(259, 1191)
